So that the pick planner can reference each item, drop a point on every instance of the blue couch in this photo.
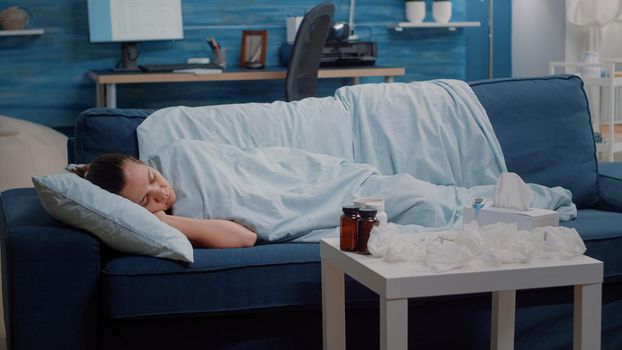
(64, 289)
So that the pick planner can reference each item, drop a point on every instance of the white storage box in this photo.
(525, 219)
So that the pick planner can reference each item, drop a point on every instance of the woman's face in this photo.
(145, 186)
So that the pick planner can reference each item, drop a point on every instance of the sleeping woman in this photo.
(131, 178)
(224, 196)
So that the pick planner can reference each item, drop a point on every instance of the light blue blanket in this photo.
(320, 125)
(436, 131)
(285, 193)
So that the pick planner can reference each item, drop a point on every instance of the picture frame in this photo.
(254, 47)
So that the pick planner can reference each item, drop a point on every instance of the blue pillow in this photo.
(117, 221)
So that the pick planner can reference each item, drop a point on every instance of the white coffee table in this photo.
(395, 283)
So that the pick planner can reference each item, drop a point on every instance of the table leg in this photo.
(393, 324)
(111, 95)
(389, 79)
(333, 308)
(100, 96)
(356, 80)
(502, 320)
(587, 316)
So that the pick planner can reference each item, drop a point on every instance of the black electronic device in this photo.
(339, 53)
(167, 68)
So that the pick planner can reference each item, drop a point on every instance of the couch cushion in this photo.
(602, 233)
(279, 275)
(544, 128)
(265, 276)
(219, 280)
(610, 186)
(102, 130)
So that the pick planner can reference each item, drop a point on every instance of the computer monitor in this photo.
(131, 21)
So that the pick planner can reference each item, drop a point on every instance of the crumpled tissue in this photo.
(493, 245)
(512, 192)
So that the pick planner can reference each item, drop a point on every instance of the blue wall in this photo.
(43, 78)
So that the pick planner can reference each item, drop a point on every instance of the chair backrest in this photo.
(301, 80)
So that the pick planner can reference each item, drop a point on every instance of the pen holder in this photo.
(220, 57)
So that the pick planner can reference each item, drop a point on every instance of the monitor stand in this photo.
(129, 57)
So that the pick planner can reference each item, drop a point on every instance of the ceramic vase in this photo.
(415, 11)
(15, 18)
(441, 11)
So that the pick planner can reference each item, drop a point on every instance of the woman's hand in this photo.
(160, 214)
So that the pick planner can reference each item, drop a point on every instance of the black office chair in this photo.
(302, 71)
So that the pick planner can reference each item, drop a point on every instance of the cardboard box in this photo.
(525, 219)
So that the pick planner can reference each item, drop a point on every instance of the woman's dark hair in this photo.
(106, 171)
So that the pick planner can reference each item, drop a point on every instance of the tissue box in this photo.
(525, 219)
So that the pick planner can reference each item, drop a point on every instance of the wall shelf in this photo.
(21, 32)
(451, 25)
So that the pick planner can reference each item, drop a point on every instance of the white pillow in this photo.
(120, 223)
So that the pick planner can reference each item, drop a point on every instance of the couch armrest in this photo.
(610, 186)
(50, 277)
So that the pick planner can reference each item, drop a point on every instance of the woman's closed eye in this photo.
(151, 177)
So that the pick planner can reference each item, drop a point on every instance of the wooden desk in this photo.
(106, 81)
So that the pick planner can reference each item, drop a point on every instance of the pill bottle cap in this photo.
(350, 209)
(368, 212)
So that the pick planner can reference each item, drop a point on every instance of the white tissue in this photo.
(444, 254)
(493, 245)
(558, 242)
(380, 239)
(504, 243)
(512, 192)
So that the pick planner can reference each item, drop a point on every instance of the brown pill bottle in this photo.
(366, 222)
(348, 228)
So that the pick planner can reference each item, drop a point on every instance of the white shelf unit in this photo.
(450, 25)
(21, 32)
(601, 92)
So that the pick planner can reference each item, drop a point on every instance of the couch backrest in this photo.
(544, 127)
(102, 130)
